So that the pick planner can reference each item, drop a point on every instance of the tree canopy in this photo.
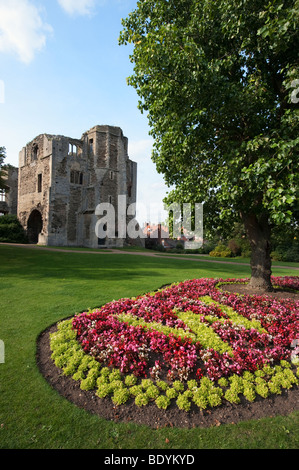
(219, 83)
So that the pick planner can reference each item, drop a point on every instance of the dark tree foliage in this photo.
(219, 81)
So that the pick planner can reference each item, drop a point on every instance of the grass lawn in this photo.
(40, 287)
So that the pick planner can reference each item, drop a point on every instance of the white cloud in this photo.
(22, 30)
(151, 188)
(78, 7)
(140, 150)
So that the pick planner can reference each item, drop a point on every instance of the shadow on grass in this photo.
(30, 264)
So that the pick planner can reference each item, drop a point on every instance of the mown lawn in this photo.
(40, 287)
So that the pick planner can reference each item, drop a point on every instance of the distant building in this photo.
(61, 180)
(158, 234)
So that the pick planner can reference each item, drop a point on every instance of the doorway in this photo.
(34, 226)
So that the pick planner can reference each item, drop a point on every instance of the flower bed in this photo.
(188, 343)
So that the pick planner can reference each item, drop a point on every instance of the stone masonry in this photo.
(62, 180)
(9, 197)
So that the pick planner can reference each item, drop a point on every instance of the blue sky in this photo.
(62, 72)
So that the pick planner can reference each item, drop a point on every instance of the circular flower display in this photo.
(192, 342)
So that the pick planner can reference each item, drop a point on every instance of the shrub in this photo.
(274, 386)
(286, 252)
(246, 253)
(141, 399)
(11, 230)
(232, 396)
(234, 247)
(101, 381)
(223, 382)
(215, 253)
(105, 372)
(200, 399)
(192, 384)
(221, 251)
(288, 378)
(178, 386)
(206, 247)
(214, 398)
(114, 375)
(171, 393)
(136, 390)
(104, 390)
(249, 390)
(73, 364)
(152, 392)
(90, 382)
(130, 380)
(162, 402)
(120, 396)
(262, 389)
(117, 385)
(79, 375)
(145, 383)
(237, 384)
(276, 256)
(161, 384)
(183, 402)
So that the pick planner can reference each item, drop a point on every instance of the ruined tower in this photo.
(62, 180)
(9, 195)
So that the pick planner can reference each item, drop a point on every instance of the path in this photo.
(110, 251)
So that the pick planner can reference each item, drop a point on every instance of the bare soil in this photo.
(279, 293)
(151, 415)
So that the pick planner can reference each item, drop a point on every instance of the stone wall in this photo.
(34, 181)
(10, 203)
(64, 179)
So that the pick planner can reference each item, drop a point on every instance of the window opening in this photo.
(39, 183)
(34, 151)
(76, 177)
(91, 145)
(2, 195)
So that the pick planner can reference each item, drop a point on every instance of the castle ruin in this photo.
(61, 180)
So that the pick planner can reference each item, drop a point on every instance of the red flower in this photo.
(117, 344)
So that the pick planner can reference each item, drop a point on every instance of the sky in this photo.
(63, 72)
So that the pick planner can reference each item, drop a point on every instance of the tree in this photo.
(219, 81)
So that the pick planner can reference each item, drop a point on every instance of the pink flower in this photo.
(117, 344)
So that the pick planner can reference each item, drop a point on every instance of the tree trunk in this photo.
(259, 233)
